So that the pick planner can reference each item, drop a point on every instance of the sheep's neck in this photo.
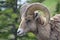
(43, 33)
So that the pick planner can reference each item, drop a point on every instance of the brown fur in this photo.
(33, 22)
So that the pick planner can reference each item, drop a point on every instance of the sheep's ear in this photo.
(38, 18)
(35, 15)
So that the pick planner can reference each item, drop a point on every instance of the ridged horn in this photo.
(38, 6)
(23, 8)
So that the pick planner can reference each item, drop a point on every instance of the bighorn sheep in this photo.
(45, 28)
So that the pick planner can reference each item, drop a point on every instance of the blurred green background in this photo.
(10, 17)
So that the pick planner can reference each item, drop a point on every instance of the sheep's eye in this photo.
(28, 21)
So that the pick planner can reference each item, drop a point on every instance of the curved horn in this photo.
(38, 6)
(23, 8)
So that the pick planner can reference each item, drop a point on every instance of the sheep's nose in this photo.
(18, 31)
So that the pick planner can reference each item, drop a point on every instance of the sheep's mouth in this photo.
(22, 34)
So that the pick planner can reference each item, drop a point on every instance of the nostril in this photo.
(18, 31)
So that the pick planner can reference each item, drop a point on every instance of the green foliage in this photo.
(9, 17)
(58, 8)
(29, 36)
(51, 5)
(10, 3)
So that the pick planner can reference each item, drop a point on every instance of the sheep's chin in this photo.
(21, 34)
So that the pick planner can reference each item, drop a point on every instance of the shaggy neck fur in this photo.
(42, 32)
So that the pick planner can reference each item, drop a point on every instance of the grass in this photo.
(51, 4)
